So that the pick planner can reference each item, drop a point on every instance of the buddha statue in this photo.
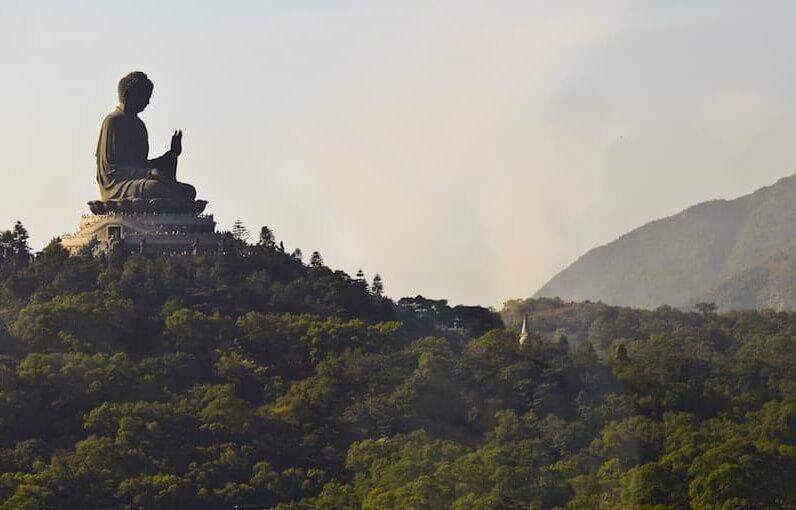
(125, 173)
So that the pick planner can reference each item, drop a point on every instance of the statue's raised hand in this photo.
(176, 143)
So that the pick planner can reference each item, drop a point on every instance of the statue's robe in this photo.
(122, 168)
(122, 152)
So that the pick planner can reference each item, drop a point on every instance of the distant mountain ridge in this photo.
(737, 253)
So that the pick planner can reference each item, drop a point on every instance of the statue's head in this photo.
(135, 89)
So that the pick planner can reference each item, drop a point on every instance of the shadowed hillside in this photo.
(248, 379)
(728, 251)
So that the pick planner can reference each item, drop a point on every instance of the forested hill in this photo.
(247, 379)
(738, 253)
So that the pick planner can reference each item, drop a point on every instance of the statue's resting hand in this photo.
(176, 143)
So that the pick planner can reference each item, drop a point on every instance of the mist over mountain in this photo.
(737, 253)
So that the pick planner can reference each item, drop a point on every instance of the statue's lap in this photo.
(148, 205)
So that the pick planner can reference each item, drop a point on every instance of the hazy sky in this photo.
(466, 150)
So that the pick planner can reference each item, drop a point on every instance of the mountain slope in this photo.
(728, 251)
(246, 379)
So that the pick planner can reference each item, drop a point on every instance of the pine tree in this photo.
(360, 280)
(297, 254)
(239, 231)
(316, 260)
(19, 243)
(266, 237)
(378, 285)
(6, 244)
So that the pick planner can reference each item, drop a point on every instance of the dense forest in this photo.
(249, 379)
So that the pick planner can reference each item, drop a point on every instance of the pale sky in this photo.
(464, 150)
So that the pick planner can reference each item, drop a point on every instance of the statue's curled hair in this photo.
(134, 81)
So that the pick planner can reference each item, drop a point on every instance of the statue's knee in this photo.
(153, 189)
(175, 190)
(190, 191)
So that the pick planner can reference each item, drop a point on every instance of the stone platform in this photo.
(155, 205)
(159, 233)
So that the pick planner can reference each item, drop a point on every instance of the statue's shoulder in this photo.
(117, 120)
(112, 118)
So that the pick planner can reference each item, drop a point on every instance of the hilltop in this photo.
(737, 253)
(245, 378)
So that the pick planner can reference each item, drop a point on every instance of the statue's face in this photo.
(137, 100)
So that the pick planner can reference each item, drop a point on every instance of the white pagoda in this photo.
(524, 332)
